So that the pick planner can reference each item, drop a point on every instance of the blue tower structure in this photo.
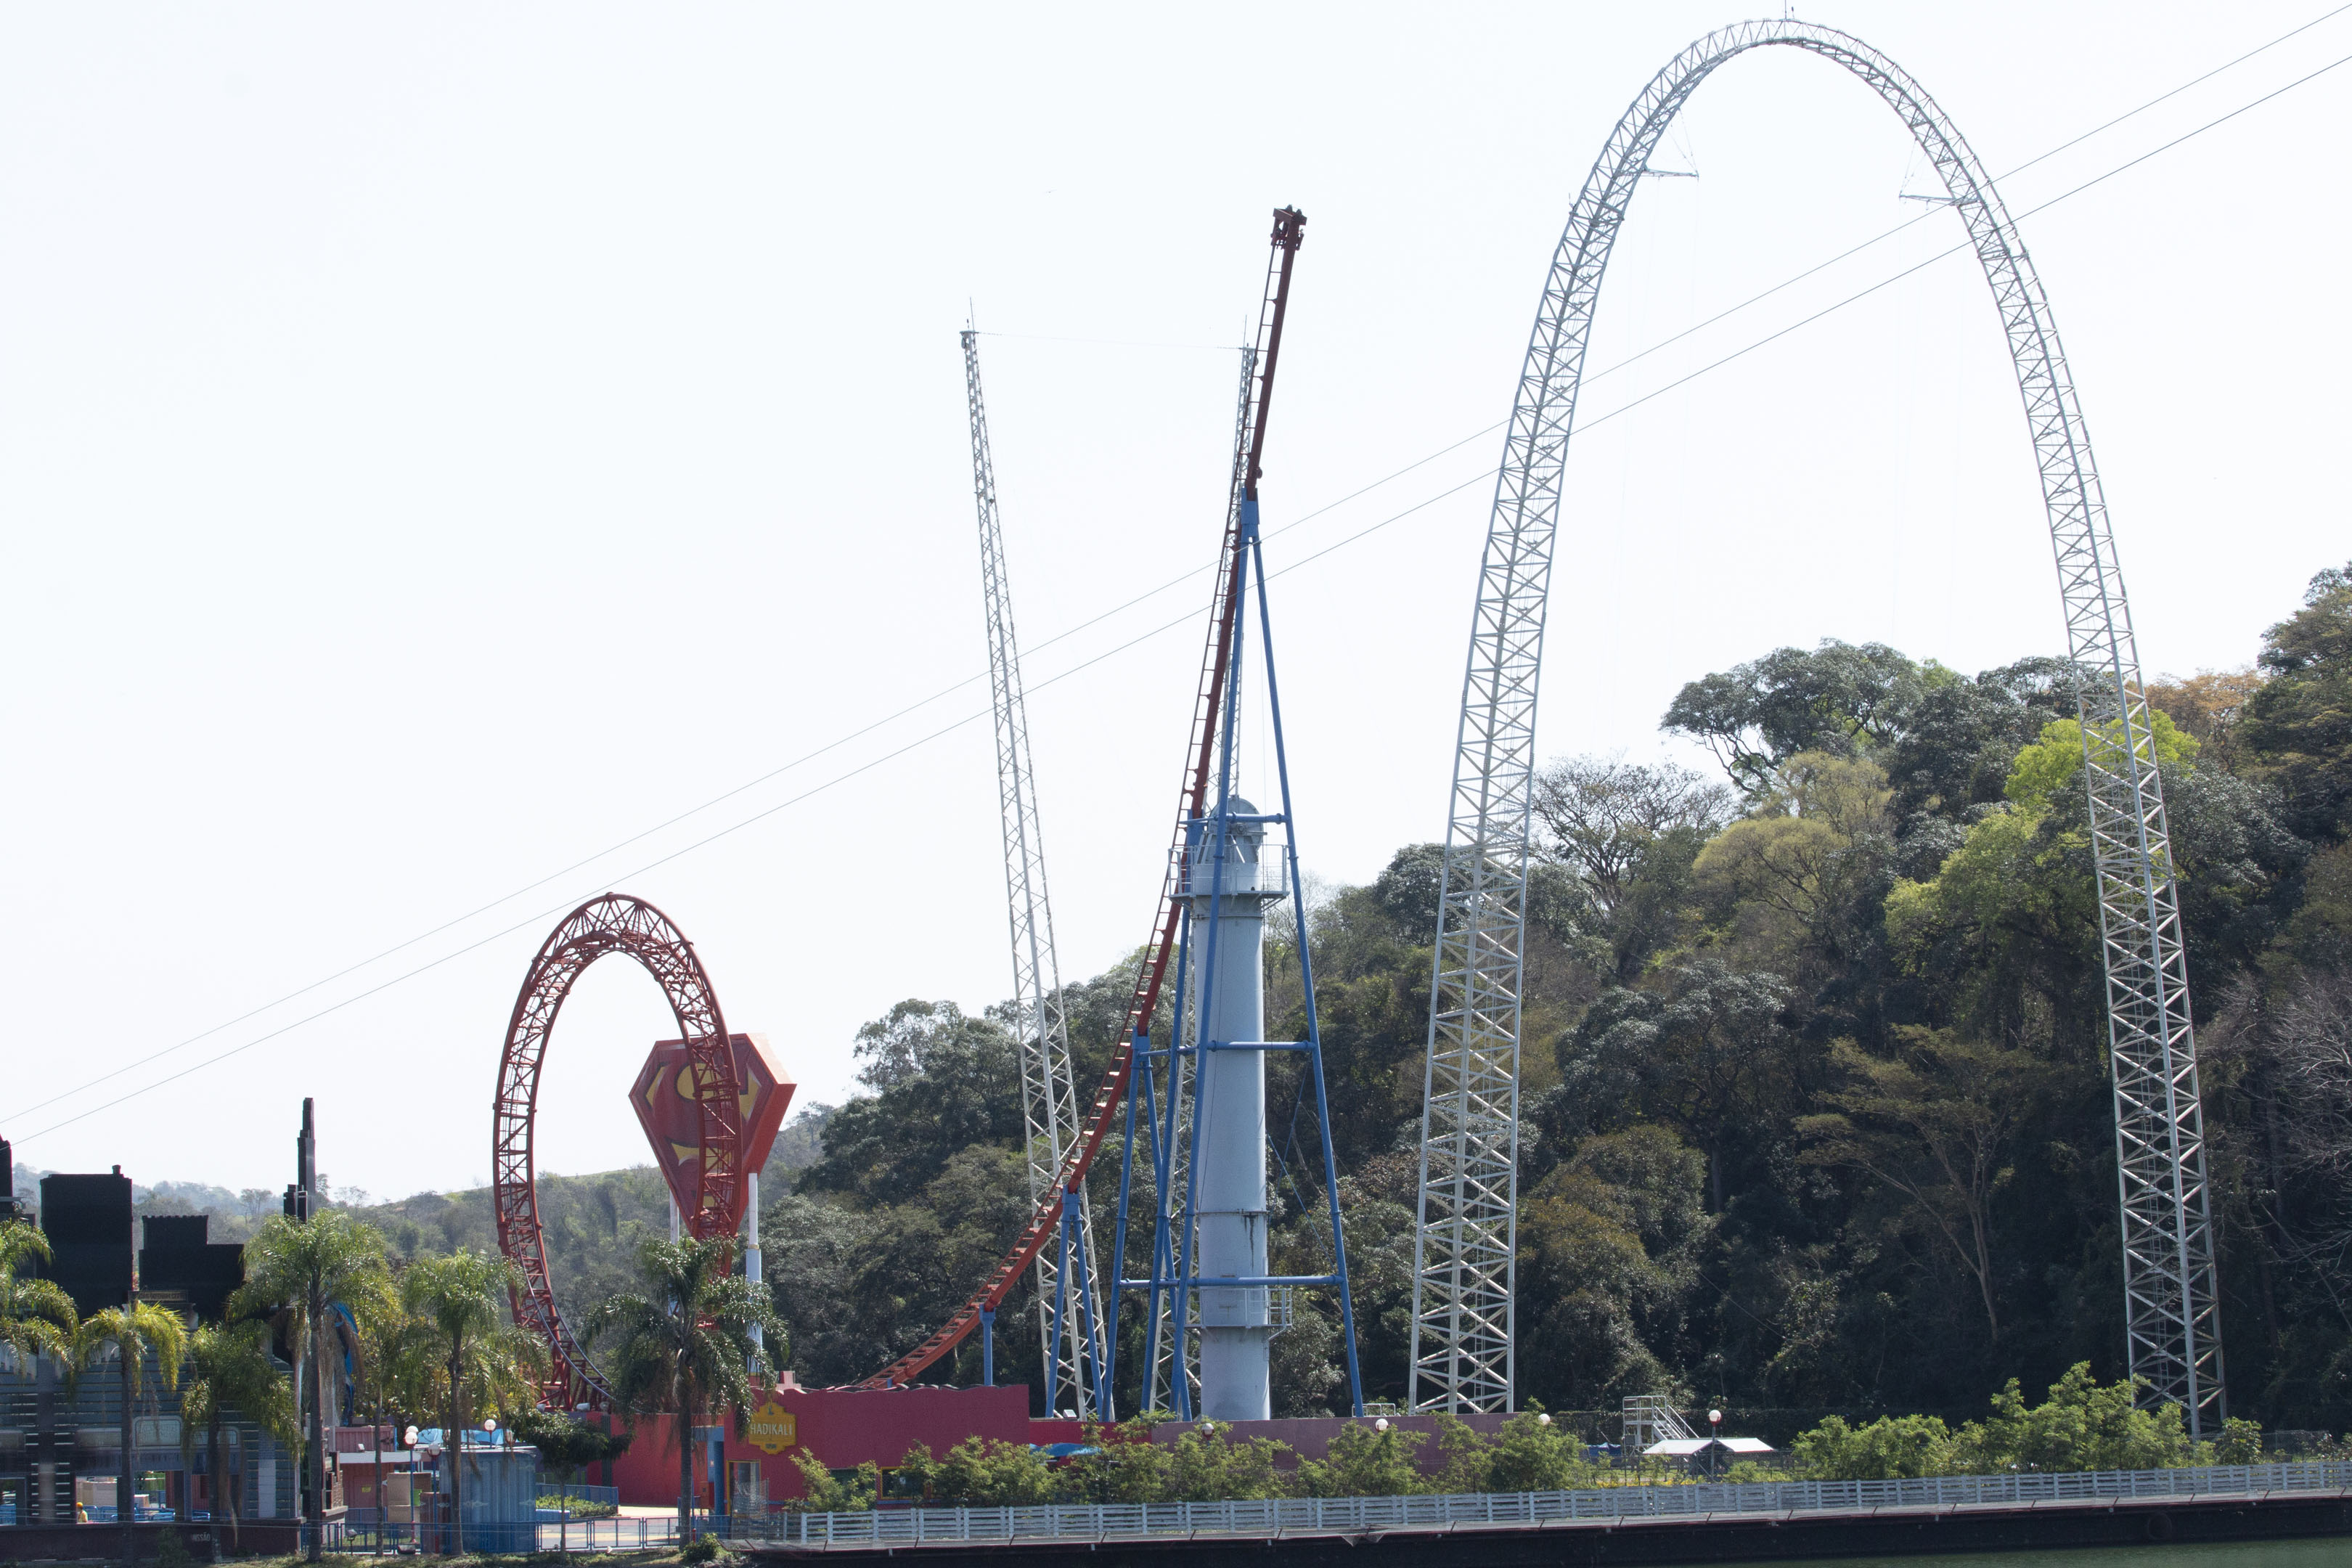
(1196, 1113)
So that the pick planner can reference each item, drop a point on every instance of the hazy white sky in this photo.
(441, 442)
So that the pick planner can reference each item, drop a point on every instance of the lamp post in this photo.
(1715, 1441)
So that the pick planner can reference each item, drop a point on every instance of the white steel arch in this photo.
(1461, 1339)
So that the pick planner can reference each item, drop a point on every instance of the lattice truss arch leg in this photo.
(1049, 1105)
(1461, 1354)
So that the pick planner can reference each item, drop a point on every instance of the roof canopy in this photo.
(1684, 1447)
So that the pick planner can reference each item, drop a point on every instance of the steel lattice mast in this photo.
(1048, 1100)
(1462, 1355)
(1159, 952)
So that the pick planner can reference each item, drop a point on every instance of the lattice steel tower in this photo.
(1048, 1101)
(1462, 1355)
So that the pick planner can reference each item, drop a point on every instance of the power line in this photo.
(1955, 250)
(803, 758)
(1929, 212)
(1138, 640)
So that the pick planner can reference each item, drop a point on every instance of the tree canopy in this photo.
(1815, 1112)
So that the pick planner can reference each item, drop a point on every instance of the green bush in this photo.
(824, 1492)
(1365, 1462)
(1206, 1464)
(980, 1473)
(1126, 1464)
(1889, 1449)
(1531, 1455)
(2081, 1426)
(2241, 1443)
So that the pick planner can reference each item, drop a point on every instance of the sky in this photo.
(443, 447)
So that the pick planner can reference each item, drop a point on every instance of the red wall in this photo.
(842, 1428)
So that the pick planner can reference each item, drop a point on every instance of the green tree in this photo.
(1364, 1461)
(979, 1472)
(2298, 726)
(2080, 1427)
(1705, 1049)
(1123, 1465)
(36, 1317)
(132, 1333)
(2052, 767)
(1533, 1453)
(1935, 1125)
(683, 1347)
(1465, 1458)
(567, 1445)
(821, 1491)
(943, 1081)
(1608, 1242)
(1599, 815)
(1891, 1447)
(231, 1373)
(2007, 924)
(1960, 738)
(304, 1269)
(406, 1365)
(1838, 698)
(1808, 852)
(2209, 707)
(1208, 1462)
(461, 1302)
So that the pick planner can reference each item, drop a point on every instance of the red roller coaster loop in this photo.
(613, 923)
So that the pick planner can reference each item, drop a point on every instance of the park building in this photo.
(62, 1459)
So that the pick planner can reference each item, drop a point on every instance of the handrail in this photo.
(1306, 1516)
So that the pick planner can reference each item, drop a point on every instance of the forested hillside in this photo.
(1816, 1111)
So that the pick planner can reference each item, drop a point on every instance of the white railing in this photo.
(1312, 1516)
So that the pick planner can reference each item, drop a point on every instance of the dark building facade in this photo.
(88, 1222)
(180, 1267)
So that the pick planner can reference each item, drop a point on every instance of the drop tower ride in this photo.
(1197, 1119)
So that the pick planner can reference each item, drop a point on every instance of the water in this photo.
(2325, 1552)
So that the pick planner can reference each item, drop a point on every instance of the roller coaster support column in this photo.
(1074, 1256)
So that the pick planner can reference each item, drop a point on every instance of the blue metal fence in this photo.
(888, 1527)
(1311, 1516)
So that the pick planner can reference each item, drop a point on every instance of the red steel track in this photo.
(613, 923)
(1192, 803)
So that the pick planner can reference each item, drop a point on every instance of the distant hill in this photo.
(594, 1223)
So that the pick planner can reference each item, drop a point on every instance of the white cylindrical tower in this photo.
(1230, 1105)
(752, 1256)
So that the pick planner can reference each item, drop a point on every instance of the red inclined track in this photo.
(1191, 804)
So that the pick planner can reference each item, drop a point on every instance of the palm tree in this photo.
(230, 1370)
(684, 1347)
(485, 1359)
(36, 1317)
(305, 1268)
(407, 1361)
(132, 1331)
